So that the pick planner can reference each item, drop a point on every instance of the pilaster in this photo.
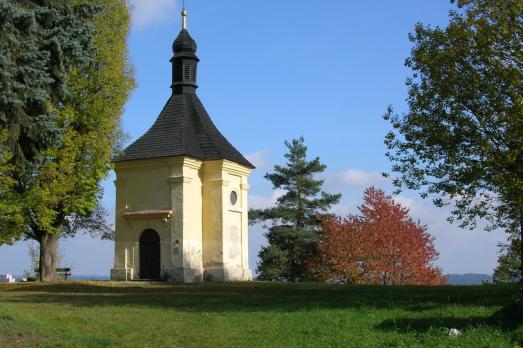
(186, 236)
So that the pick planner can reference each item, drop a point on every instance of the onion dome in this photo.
(184, 43)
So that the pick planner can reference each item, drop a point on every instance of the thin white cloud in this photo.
(353, 178)
(152, 12)
(260, 159)
(344, 209)
(461, 250)
(424, 210)
(262, 202)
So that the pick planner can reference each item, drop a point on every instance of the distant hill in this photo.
(468, 279)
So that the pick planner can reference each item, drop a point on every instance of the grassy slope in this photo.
(88, 314)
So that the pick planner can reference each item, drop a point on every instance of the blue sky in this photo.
(272, 71)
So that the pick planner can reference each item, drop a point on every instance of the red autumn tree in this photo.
(382, 245)
(342, 252)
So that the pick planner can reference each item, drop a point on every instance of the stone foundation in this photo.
(190, 275)
(227, 274)
(122, 274)
(183, 275)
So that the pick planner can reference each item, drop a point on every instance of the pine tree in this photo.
(40, 42)
(296, 218)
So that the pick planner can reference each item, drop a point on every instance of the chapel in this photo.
(181, 191)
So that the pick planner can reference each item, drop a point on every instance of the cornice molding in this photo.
(160, 162)
(184, 161)
(227, 166)
(148, 214)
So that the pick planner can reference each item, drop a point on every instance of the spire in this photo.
(184, 17)
(184, 128)
(184, 61)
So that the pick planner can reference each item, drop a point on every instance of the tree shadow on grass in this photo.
(256, 296)
(508, 319)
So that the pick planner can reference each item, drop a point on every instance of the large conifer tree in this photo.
(40, 42)
(296, 218)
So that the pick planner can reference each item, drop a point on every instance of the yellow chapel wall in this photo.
(225, 226)
(205, 230)
(140, 185)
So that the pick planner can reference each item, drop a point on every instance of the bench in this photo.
(62, 272)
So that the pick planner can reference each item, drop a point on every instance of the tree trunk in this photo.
(48, 256)
(521, 250)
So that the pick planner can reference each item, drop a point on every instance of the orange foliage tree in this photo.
(381, 245)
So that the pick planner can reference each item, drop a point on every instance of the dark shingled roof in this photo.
(183, 129)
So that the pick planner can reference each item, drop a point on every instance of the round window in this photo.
(234, 197)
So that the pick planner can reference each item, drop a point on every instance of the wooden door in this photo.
(149, 255)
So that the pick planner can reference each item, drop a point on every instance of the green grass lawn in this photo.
(105, 314)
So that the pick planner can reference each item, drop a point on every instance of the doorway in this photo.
(150, 255)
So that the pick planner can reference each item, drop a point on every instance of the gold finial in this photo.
(184, 17)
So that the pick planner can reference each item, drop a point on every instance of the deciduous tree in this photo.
(462, 137)
(297, 216)
(342, 252)
(381, 245)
